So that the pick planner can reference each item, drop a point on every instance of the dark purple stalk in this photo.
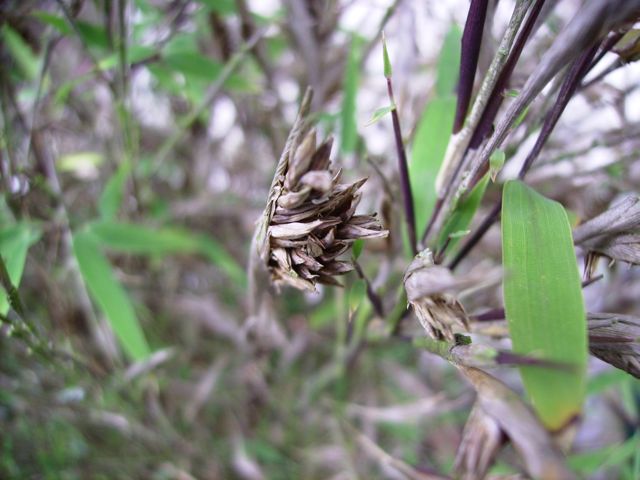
(403, 168)
(483, 128)
(497, 95)
(571, 82)
(498, 313)
(469, 53)
(374, 298)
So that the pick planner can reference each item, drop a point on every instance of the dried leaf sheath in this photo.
(309, 220)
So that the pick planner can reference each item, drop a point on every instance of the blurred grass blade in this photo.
(14, 245)
(348, 130)
(26, 61)
(543, 300)
(111, 197)
(429, 146)
(109, 295)
(462, 215)
(141, 240)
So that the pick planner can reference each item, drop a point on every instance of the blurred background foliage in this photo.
(138, 143)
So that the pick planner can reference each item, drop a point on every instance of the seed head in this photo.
(310, 220)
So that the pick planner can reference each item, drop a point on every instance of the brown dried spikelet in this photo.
(428, 286)
(310, 217)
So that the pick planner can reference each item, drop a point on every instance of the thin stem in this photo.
(230, 67)
(469, 53)
(454, 159)
(405, 184)
(567, 89)
(374, 298)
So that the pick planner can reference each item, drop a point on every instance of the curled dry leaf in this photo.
(426, 284)
(615, 339)
(481, 441)
(623, 217)
(309, 220)
(542, 458)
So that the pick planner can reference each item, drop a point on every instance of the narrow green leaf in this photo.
(429, 147)
(141, 240)
(56, 21)
(449, 62)
(348, 130)
(109, 295)
(496, 162)
(385, 58)
(543, 300)
(460, 219)
(92, 34)
(379, 113)
(219, 256)
(21, 52)
(111, 197)
(14, 245)
(200, 68)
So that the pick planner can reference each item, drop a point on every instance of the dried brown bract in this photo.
(426, 284)
(310, 220)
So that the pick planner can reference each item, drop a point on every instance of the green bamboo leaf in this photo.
(379, 113)
(429, 147)
(109, 295)
(449, 62)
(141, 240)
(15, 242)
(496, 162)
(385, 58)
(457, 224)
(543, 301)
(348, 130)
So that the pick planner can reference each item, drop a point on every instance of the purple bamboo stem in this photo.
(469, 53)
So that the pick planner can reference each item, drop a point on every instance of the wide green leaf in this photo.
(14, 245)
(109, 294)
(449, 62)
(543, 301)
(429, 146)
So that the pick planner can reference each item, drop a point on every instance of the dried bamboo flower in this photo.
(310, 221)
(427, 285)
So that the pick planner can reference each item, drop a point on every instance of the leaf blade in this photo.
(109, 295)
(543, 300)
